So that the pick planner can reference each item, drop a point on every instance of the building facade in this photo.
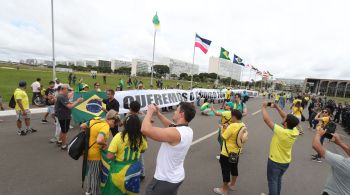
(119, 63)
(328, 87)
(104, 63)
(224, 68)
(140, 66)
(178, 66)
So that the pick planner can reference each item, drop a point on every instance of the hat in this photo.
(230, 104)
(85, 85)
(242, 136)
(112, 115)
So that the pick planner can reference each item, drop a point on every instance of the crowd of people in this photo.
(124, 137)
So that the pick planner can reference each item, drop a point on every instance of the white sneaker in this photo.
(53, 140)
(71, 127)
(218, 191)
(218, 157)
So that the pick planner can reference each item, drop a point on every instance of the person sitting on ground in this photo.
(338, 181)
(281, 146)
(205, 108)
(99, 134)
(230, 135)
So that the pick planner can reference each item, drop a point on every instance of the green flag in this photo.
(91, 106)
(156, 22)
(224, 54)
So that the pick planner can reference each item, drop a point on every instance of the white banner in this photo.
(169, 97)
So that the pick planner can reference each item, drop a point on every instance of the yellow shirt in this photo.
(97, 127)
(296, 100)
(297, 111)
(277, 97)
(21, 95)
(230, 137)
(121, 148)
(228, 94)
(325, 120)
(226, 117)
(282, 144)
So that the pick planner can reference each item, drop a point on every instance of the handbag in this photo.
(232, 157)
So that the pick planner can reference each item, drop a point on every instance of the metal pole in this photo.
(217, 75)
(194, 53)
(53, 44)
(241, 77)
(154, 47)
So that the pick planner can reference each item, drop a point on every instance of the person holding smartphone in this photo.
(338, 181)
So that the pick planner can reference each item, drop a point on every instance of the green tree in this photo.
(161, 69)
(183, 75)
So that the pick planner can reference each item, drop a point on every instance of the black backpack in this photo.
(77, 145)
(12, 103)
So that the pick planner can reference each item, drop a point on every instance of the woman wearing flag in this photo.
(124, 151)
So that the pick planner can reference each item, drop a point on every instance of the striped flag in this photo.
(202, 43)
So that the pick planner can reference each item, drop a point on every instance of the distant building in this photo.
(328, 87)
(178, 66)
(225, 69)
(90, 63)
(139, 66)
(290, 81)
(104, 63)
(115, 64)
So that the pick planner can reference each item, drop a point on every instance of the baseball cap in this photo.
(229, 104)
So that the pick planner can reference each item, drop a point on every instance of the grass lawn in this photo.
(339, 99)
(9, 77)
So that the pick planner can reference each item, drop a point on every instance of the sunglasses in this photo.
(324, 111)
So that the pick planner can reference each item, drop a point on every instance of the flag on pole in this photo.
(202, 43)
(224, 54)
(255, 68)
(237, 60)
(156, 22)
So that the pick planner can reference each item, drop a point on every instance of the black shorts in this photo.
(228, 168)
(64, 124)
(227, 100)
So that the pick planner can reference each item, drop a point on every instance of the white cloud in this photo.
(293, 39)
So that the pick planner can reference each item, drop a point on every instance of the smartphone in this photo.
(269, 104)
(328, 135)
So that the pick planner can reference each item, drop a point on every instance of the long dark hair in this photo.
(132, 127)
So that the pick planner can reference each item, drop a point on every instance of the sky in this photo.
(290, 39)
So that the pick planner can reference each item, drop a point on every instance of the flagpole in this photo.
(231, 75)
(194, 53)
(154, 46)
(53, 44)
(217, 75)
(241, 76)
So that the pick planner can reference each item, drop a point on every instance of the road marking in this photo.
(204, 138)
(13, 112)
(256, 112)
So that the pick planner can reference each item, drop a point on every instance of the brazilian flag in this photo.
(120, 178)
(224, 54)
(91, 106)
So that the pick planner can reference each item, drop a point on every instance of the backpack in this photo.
(77, 144)
(330, 127)
(12, 103)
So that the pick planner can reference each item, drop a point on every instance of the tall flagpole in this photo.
(53, 44)
(231, 75)
(154, 46)
(217, 75)
(241, 76)
(194, 53)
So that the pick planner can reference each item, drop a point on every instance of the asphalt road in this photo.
(31, 165)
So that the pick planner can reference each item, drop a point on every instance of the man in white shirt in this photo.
(176, 140)
(36, 86)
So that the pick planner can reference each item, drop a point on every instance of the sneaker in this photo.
(44, 121)
(31, 130)
(232, 188)
(88, 193)
(317, 160)
(313, 156)
(218, 191)
(64, 147)
(21, 133)
(71, 127)
(59, 143)
(53, 140)
(218, 157)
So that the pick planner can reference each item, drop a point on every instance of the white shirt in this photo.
(170, 159)
(35, 86)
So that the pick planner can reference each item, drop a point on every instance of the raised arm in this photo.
(266, 116)
(165, 121)
(216, 113)
(280, 111)
(339, 142)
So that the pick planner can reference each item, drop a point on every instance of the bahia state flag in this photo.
(120, 178)
(224, 54)
(237, 60)
(202, 43)
(91, 106)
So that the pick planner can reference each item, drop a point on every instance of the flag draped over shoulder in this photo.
(156, 22)
(120, 178)
(224, 54)
(91, 106)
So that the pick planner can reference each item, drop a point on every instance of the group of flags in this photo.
(204, 44)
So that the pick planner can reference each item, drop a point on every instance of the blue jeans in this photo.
(275, 172)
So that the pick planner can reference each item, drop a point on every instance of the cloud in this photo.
(292, 39)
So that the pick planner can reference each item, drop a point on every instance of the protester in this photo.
(227, 96)
(111, 104)
(282, 100)
(74, 79)
(230, 146)
(104, 79)
(176, 140)
(22, 109)
(97, 87)
(70, 78)
(99, 134)
(129, 83)
(338, 181)
(50, 102)
(57, 83)
(323, 119)
(126, 147)
(297, 111)
(280, 147)
(1, 106)
(63, 113)
(205, 108)
(238, 104)
(121, 84)
(338, 111)
(36, 89)
(85, 88)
